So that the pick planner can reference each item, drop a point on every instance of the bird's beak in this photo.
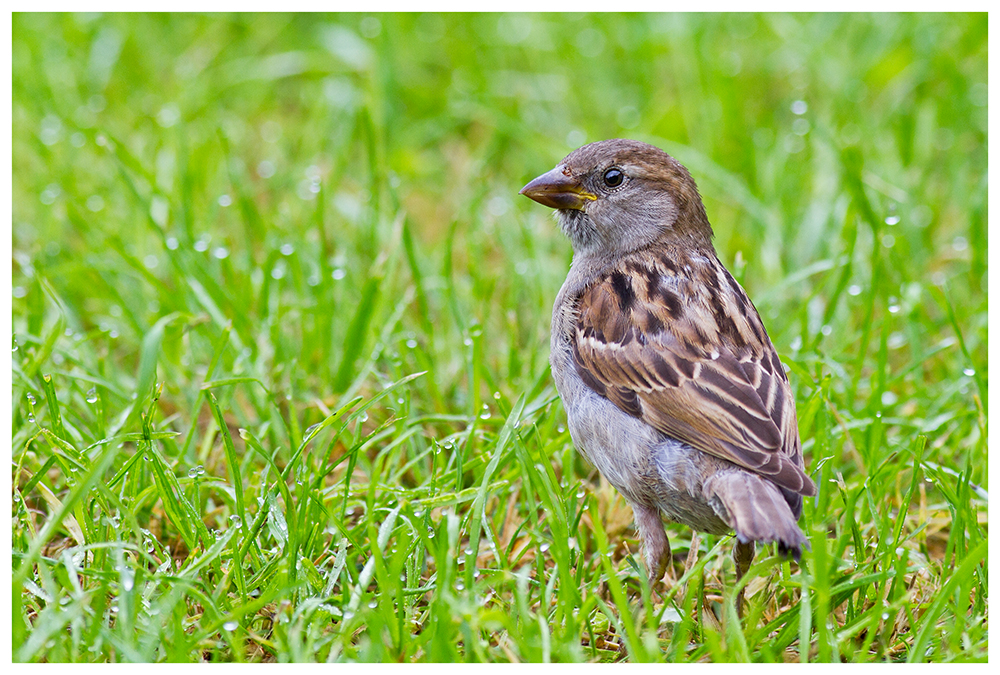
(558, 190)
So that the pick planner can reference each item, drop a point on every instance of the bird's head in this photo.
(617, 196)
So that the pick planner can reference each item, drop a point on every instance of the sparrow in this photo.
(671, 385)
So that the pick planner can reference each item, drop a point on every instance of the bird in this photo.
(671, 385)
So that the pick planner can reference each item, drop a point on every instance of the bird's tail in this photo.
(756, 509)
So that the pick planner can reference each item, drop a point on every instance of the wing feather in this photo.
(672, 339)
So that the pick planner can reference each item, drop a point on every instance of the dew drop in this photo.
(854, 289)
(891, 220)
(92, 395)
(459, 586)
(411, 343)
(580, 494)
(373, 604)
(287, 249)
(230, 625)
(31, 398)
(485, 414)
(467, 342)
(543, 548)
(969, 371)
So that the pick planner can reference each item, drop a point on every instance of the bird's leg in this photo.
(742, 557)
(654, 541)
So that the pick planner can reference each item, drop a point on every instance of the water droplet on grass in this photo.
(373, 604)
(95, 203)
(230, 625)
(265, 169)
(969, 371)
(891, 220)
(92, 395)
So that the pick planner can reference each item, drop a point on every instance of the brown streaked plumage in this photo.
(671, 385)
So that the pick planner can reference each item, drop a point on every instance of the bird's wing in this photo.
(674, 341)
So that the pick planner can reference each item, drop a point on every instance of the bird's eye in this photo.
(613, 177)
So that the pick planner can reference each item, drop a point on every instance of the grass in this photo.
(280, 382)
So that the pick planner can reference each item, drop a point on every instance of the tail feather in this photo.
(756, 509)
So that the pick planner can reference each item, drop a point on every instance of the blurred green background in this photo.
(323, 204)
